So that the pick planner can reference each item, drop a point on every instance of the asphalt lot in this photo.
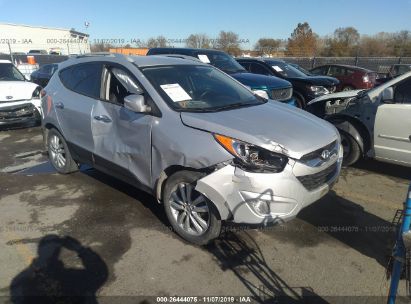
(335, 248)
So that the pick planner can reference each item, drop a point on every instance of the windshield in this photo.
(8, 72)
(222, 61)
(197, 88)
(285, 69)
(301, 69)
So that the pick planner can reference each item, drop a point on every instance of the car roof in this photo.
(186, 51)
(261, 59)
(353, 67)
(137, 60)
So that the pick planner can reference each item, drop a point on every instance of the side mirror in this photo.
(136, 103)
(388, 95)
(261, 93)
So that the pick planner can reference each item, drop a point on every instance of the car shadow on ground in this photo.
(378, 167)
(350, 224)
(48, 280)
(240, 253)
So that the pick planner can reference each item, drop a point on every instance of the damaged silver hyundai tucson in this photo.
(203, 144)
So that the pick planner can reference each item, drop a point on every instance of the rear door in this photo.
(75, 104)
(122, 138)
(392, 133)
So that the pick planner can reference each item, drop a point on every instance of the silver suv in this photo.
(203, 144)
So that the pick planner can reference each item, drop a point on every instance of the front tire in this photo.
(192, 215)
(59, 153)
(351, 149)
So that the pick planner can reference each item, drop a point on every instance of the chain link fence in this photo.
(379, 64)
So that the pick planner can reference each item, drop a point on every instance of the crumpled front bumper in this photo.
(19, 114)
(234, 190)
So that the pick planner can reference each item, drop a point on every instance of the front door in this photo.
(392, 132)
(122, 138)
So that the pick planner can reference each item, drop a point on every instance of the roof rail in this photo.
(180, 56)
(97, 54)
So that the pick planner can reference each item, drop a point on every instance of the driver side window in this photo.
(119, 84)
(402, 92)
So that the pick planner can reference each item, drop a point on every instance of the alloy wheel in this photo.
(57, 151)
(189, 209)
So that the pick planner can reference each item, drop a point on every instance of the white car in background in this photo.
(20, 104)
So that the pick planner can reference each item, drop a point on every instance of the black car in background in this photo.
(306, 87)
(275, 88)
(43, 75)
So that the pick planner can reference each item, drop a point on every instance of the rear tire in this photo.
(352, 151)
(59, 153)
(192, 215)
(299, 102)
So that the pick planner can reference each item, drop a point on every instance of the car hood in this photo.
(256, 81)
(16, 90)
(273, 126)
(317, 80)
(339, 95)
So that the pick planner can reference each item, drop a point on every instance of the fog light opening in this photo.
(260, 207)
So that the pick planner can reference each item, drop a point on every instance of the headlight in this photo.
(36, 93)
(252, 158)
(318, 90)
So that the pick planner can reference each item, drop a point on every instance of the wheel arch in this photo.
(355, 128)
(222, 210)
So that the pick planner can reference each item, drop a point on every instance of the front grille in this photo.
(281, 94)
(17, 112)
(317, 153)
(316, 180)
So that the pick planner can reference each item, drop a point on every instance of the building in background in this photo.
(18, 39)
(129, 51)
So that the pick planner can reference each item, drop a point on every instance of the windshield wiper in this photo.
(234, 106)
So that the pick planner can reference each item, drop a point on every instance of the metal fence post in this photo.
(11, 54)
(399, 59)
(313, 62)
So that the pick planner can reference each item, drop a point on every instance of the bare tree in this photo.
(267, 46)
(159, 41)
(198, 41)
(228, 42)
(344, 42)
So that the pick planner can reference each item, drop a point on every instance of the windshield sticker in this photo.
(277, 68)
(175, 92)
(204, 58)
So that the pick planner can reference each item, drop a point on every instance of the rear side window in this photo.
(259, 69)
(402, 93)
(84, 79)
(319, 70)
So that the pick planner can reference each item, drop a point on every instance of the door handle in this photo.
(59, 105)
(409, 137)
(102, 118)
